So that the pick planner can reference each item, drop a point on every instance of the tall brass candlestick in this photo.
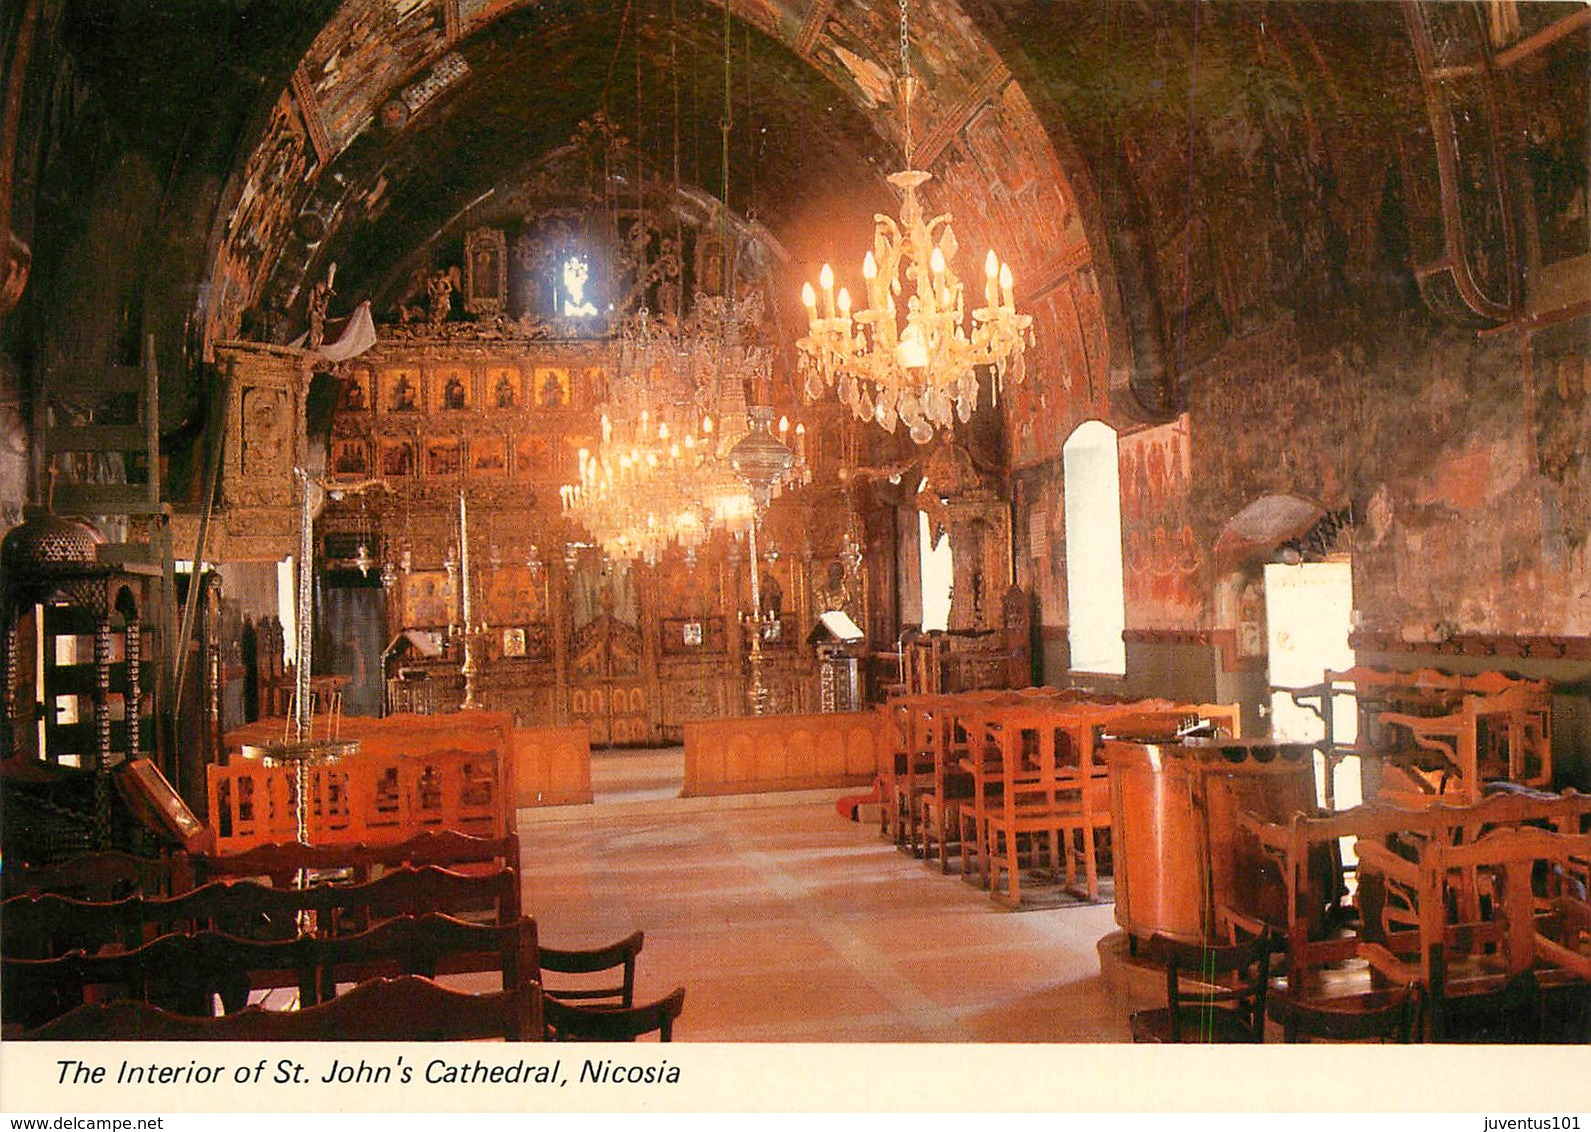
(469, 668)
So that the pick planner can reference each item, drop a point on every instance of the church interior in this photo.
(1053, 521)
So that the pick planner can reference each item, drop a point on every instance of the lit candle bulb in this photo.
(870, 273)
(707, 426)
(662, 431)
(801, 441)
(936, 262)
(784, 422)
(826, 280)
(1006, 281)
(809, 299)
(991, 272)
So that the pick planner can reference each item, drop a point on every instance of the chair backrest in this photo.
(427, 945)
(249, 908)
(447, 848)
(620, 956)
(1388, 1016)
(573, 1023)
(410, 1008)
(46, 925)
(1228, 977)
(102, 876)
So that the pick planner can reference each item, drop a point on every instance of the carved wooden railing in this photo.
(753, 754)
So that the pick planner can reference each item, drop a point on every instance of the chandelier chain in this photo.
(906, 77)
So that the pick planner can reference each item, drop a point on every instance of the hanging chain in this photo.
(906, 80)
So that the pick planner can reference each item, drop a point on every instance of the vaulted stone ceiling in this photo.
(1189, 170)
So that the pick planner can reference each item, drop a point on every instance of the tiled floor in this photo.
(786, 922)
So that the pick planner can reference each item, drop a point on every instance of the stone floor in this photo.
(787, 922)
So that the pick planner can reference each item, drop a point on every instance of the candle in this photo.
(826, 278)
(991, 273)
(1006, 281)
(464, 564)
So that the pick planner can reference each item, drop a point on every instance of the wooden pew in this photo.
(106, 875)
(284, 861)
(410, 1008)
(185, 972)
(45, 926)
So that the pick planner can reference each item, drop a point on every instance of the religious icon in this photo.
(454, 392)
(691, 634)
(397, 458)
(355, 398)
(552, 388)
(513, 642)
(349, 458)
(503, 392)
(405, 398)
(488, 455)
(442, 458)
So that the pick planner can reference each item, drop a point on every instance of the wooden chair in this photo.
(47, 925)
(430, 945)
(567, 1022)
(621, 956)
(1391, 1015)
(1226, 1001)
(410, 1009)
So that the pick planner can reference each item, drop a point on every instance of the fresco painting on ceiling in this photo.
(1162, 560)
(279, 172)
(363, 52)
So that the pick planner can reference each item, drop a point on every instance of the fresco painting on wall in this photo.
(1162, 559)
(364, 50)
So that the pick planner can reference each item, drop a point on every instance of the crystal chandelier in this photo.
(923, 372)
(660, 473)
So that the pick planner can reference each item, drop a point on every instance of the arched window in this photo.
(1096, 607)
(938, 571)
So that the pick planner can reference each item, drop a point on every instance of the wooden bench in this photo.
(46, 926)
(107, 875)
(410, 1008)
(186, 972)
(284, 861)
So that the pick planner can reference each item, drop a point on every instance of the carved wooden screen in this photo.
(608, 685)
